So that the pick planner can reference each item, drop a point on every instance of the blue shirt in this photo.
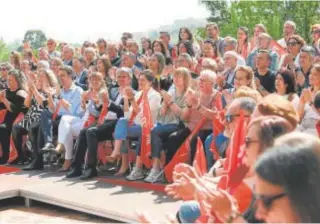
(73, 96)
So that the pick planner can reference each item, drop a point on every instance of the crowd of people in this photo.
(160, 96)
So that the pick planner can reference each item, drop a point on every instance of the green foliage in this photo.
(36, 38)
(4, 51)
(273, 14)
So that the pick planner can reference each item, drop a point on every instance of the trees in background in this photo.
(231, 15)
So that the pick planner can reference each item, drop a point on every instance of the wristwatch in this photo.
(235, 214)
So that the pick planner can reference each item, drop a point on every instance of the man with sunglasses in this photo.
(189, 212)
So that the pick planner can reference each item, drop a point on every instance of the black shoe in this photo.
(36, 164)
(74, 172)
(89, 173)
(49, 147)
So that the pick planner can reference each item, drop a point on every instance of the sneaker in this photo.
(154, 176)
(136, 174)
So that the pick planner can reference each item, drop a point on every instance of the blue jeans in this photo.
(159, 132)
(189, 212)
(209, 154)
(123, 132)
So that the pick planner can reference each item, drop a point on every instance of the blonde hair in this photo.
(274, 104)
(245, 91)
(186, 76)
(249, 74)
(100, 77)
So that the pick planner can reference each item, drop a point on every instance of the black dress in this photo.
(16, 101)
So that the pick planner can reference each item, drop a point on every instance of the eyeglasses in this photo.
(267, 200)
(315, 31)
(229, 117)
(292, 43)
(248, 141)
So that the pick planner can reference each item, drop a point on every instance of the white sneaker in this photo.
(154, 176)
(136, 174)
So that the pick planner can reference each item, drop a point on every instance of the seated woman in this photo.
(12, 100)
(200, 104)
(308, 116)
(35, 101)
(285, 85)
(244, 76)
(156, 64)
(279, 197)
(130, 126)
(70, 126)
(168, 121)
(89, 137)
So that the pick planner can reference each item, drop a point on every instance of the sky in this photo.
(79, 20)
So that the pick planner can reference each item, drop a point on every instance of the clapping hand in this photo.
(306, 95)
(128, 92)
(105, 97)
(166, 97)
(2, 95)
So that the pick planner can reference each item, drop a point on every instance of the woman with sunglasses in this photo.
(261, 135)
(291, 59)
(315, 34)
(287, 181)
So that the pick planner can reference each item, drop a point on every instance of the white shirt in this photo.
(154, 102)
(282, 43)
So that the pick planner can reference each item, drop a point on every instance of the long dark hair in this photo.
(246, 31)
(294, 165)
(188, 45)
(289, 80)
(187, 31)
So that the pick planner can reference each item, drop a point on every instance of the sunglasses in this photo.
(315, 31)
(248, 141)
(292, 43)
(229, 117)
(267, 200)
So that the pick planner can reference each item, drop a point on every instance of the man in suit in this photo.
(80, 72)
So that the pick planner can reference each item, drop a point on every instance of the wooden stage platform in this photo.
(115, 199)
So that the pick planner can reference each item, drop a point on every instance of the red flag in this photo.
(103, 113)
(56, 111)
(147, 125)
(234, 150)
(133, 115)
(182, 155)
(218, 126)
(318, 128)
(13, 151)
(2, 115)
(91, 119)
(278, 48)
(200, 162)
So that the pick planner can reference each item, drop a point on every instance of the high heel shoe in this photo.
(122, 173)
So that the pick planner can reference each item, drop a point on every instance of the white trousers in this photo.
(69, 128)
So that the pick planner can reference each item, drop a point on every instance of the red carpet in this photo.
(8, 169)
(134, 184)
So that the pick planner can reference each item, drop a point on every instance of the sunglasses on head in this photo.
(267, 200)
